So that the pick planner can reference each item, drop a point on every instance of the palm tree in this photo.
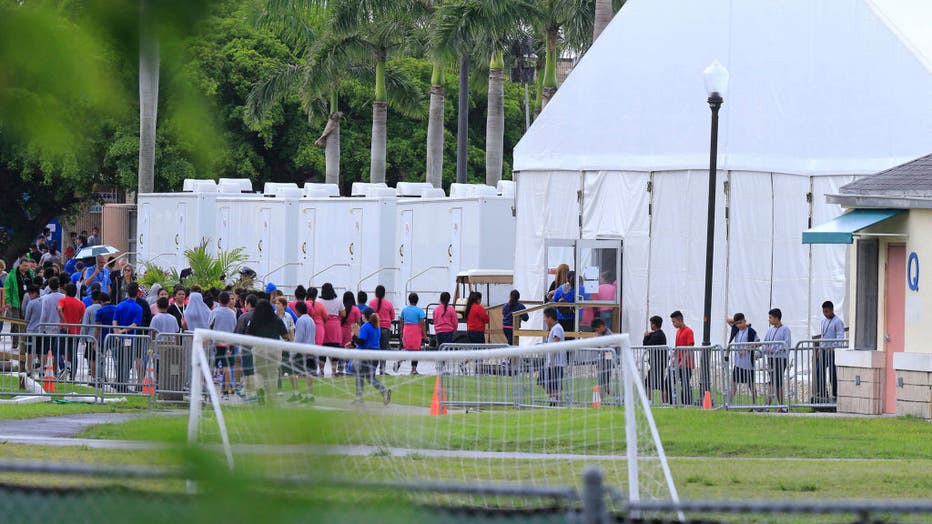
(567, 20)
(487, 25)
(603, 15)
(148, 96)
(328, 59)
(375, 27)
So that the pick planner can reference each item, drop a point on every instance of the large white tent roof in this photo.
(817, 87)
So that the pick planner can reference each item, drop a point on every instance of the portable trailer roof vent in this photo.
(471, 190)
(382, 192)
(412, 189)
(243, 185)
(273, 189)
(360, 189)
(433, 192)
(313, 190)
(506, 188)
(198, 185)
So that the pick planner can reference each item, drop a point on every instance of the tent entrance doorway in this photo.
(595, 266)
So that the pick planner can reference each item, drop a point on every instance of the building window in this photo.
(865, 335)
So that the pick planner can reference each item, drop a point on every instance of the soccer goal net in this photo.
(532, 417)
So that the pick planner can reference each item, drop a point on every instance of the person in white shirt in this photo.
(305, 331)
(223, 318)
(776, 354)
(554, 363)
(832, 329)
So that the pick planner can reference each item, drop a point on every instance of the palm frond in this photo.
(288, 80)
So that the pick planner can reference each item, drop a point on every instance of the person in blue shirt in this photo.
(361, 304)
(508, 310)
(99, 274)
(104, 318)
(566, 293)
(413, 330)
(128, 314)
(370, 337)
(77, 269)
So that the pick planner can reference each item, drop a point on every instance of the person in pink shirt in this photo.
(607, 290)
(350, 321)
(318, 312)
(333, 331)
(386, 311)
(445, 320)
(300, 295)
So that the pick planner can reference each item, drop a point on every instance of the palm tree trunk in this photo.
(462, 120)
(332, 152)
(379, 125)
(550, 69)
(332, 155)
(603, 15)
(495, 121)
(148, 98)
(434, 172)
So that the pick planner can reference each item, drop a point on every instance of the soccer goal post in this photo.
(527, 416)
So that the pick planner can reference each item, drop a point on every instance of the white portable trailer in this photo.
(347, 242)
(265, 226)
(170, 223)
(438, 237)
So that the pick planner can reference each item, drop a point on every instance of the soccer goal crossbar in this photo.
(529, 416)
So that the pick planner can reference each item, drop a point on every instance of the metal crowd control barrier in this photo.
(173, 365)
(50, 364)
(767, 376)
(122, 362)
(672, 376)
(575, 378)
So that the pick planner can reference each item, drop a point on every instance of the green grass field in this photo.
(713, 454)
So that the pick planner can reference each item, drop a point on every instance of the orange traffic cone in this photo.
(48, 381)
(148, 383)
(596, 397)
(707, 401)
(435, 407)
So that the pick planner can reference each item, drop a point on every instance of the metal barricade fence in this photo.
(817, 362)
(768, 376)
(122, 363)
(680, 376)
(48, 364)
(576, 378)
(173, 365)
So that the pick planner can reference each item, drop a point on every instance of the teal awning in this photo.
(841, 230)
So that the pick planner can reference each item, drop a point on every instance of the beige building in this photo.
(888, 366)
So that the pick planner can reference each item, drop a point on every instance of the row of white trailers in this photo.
(413, 238)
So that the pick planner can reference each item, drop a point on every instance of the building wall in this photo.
(914, 365)
(919, 303)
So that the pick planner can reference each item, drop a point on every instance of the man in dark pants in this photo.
(657, 360)
(17, 282)
(832, 329)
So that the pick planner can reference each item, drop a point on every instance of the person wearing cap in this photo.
(246, 277)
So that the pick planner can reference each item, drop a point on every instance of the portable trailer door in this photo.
(264, 244)
(308, 242)
(223, 232)
(181, 219)
(405, 251)
(355, 248)
(143, 253)
(454, 250)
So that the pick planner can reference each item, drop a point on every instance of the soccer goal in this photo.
(481, 416)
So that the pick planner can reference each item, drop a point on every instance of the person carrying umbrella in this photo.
(97, 273)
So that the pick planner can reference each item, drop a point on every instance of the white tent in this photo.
(821, 91)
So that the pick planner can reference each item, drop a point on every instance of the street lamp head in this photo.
(716, 80)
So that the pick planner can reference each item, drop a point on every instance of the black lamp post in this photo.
(716, 83)
(522, 71)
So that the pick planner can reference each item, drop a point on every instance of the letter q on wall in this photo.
(912, 271)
